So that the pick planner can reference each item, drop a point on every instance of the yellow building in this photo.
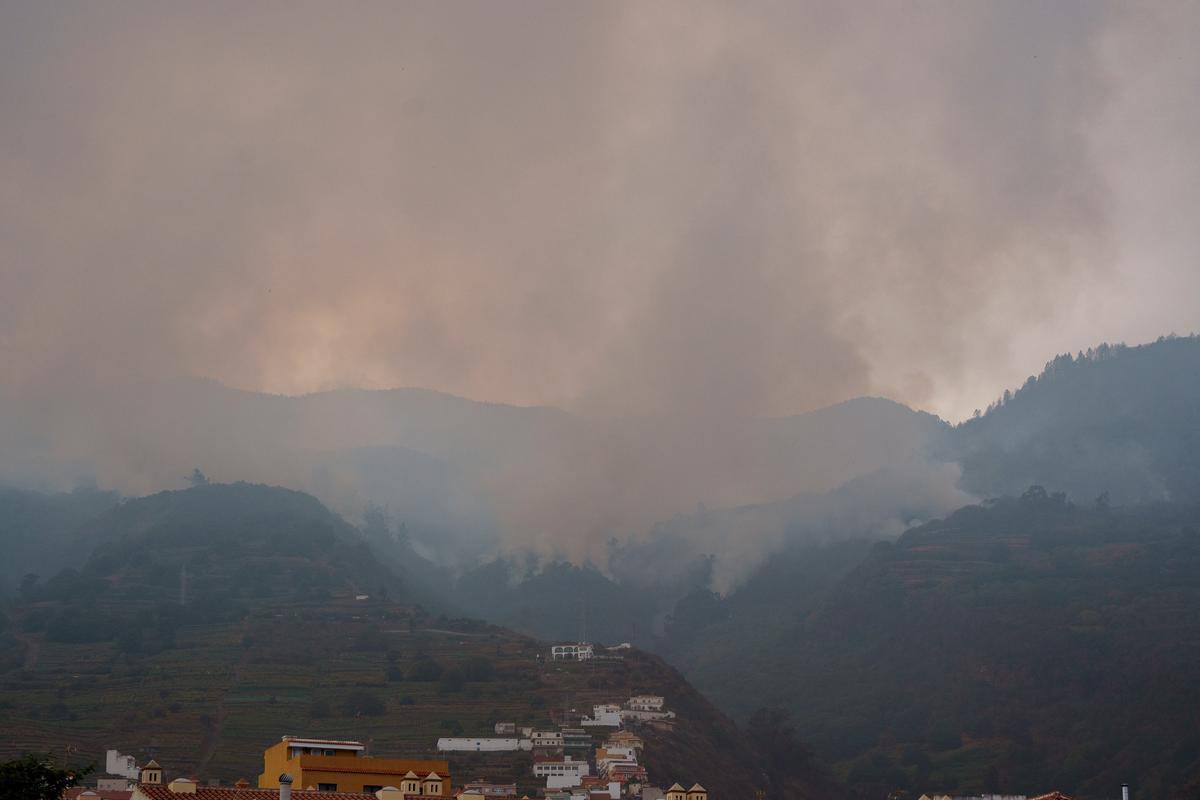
(342, 766)
(677, 792)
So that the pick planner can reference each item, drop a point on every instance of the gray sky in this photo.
(725, 208)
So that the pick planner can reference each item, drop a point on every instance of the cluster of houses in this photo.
(585, 651)
(294, 768)
(297, 768)
(571, 766)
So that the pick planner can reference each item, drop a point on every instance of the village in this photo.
(585, 756)
(582, 756)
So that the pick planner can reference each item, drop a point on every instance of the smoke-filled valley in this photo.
(810, 590)
(828, 368)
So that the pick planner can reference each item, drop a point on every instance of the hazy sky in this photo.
(616, 207)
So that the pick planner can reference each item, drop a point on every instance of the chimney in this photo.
(285, 787)
(1124, 791)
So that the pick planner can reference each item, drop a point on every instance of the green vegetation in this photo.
(35, 777)
(1118, 420)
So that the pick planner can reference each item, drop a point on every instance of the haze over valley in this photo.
(829, 369)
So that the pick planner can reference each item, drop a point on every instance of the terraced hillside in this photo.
(287, 628)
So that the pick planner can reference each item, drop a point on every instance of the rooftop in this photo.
(347, 744)
(232, 793)
(376, 766)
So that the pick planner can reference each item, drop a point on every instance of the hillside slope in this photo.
(39, 532)
(1119, 420)
(289, 625)
(1029, 643)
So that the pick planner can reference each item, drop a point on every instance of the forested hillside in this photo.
(1116, 420)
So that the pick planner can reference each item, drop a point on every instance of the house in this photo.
(495, 791)
(581, 651)
(560, 772)
(604, 716)
(646, 702)
(342, 766)
(546, 742)
(600, 788)
(625, 739)
(576, 739)
(481, 745)
(116, 763)
(506, 729)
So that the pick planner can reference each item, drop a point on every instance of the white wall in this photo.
(482, 745)
(117, 764)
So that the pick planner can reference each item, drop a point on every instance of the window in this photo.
(329, 752)
(326, 787)
(371, 789)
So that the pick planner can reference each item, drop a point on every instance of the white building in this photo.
(645, 702)
(552, 739)
(629, 713)
(568, 768)
(572, 652)
(484, 744)
(604, 716)
(116, 763)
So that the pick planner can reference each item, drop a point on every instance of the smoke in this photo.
(671, 219)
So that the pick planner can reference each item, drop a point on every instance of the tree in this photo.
(35, 777)
(197, 478)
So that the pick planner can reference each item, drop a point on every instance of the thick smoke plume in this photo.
(691, 215)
